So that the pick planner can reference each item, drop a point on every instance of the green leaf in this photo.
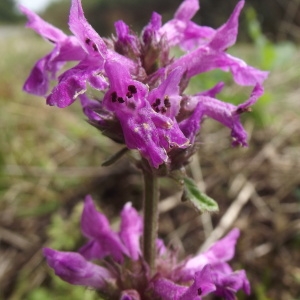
(200, 201)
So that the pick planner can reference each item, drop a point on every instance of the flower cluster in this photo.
(121, 272)
(143, 103)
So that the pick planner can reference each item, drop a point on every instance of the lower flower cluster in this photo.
(112, 263)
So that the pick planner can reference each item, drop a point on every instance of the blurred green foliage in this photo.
(268, 56)
(8, 12)
(60, 290)
(64, 233)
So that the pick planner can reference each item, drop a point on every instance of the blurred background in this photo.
(51, 158)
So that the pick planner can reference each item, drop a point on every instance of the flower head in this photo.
(144, 103)
(122, 273)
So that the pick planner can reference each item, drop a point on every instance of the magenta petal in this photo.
(91, 220)
(161, 248)
(195, 36)
(205, 59)
(73, 82)
(191, 126)
(152, 134)
(227, 113)
(37, 82)
(73, 268)
(87, 36)
(131, 230)
(256, 93)
(47, 67)
(229, 284)
(123, 31)
(174, 31)
(167, 289)
(242, 73)
(187, 10)
(226, 35)
(185, 33)
(93, 250)
(201, 286)
(145, 130)
(213, 91)
(172, 137)
(151, 30)
(95, 226)
(140, 133)
(127, 43)
(130, 295)
(66, 49)
(224, 249)
(120, 79)
(89, 39)
(168, 90)
(43, 28)
(89, 106)
(220, 252)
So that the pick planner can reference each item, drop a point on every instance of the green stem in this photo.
(151, 199)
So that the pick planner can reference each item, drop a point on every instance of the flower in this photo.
(122, 273)
(144, 104)
(66, 48)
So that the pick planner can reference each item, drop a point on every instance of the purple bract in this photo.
(143, 103)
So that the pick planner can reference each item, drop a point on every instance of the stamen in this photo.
(132, 89)
(95, 47)
(167, 102)
(242, 110)
(163, 110)
(157, 102)
(131, 105)
(88, 42)
(129, 95)
(114, 96)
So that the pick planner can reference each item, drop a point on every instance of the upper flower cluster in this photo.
(122, 273)
(143, 103)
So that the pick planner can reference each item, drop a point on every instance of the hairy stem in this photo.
(151, 199)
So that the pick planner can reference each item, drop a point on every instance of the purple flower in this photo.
(121, 272)
(75, 269)
(104, 241)
(144, 104)
(67, 48)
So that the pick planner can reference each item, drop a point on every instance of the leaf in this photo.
(200, 201)
(114, 157)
